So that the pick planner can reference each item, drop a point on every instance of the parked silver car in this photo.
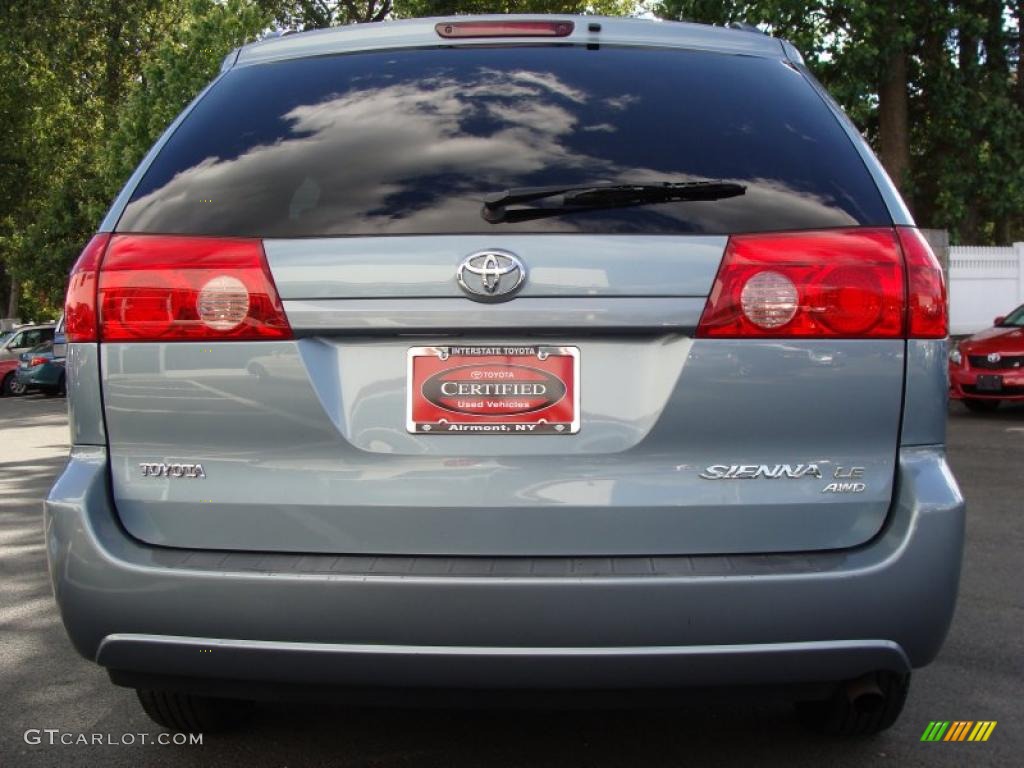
(24, 338)
(508, 353)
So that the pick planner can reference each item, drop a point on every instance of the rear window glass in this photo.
(411, 141)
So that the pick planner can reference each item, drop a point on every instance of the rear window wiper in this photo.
(589, 197)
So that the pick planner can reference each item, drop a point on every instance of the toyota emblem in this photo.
(491, 275)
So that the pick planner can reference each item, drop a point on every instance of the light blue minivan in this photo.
(508, 353)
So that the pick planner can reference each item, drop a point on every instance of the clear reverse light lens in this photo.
(223, 303)
(769, 300)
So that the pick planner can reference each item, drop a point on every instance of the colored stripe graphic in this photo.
(958, 730)
(983, 730)
(935, 730)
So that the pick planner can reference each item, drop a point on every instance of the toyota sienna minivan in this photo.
(511, 354)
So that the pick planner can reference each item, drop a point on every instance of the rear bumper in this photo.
(508, 622)
(504, 668)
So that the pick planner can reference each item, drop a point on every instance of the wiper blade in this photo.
(591, 197)
(602, 193)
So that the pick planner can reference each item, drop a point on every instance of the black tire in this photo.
(842, 717)
(185, 713)
(10, 387)
(981, 406)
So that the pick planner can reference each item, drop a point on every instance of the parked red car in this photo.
(8, 379)
(988, 367)
(8, 370)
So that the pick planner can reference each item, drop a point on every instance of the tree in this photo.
(318, 14)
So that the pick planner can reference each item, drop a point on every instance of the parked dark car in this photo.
(40, 370)
(988, 367)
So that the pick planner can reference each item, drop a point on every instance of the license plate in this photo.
(494, 390)
(989, 383)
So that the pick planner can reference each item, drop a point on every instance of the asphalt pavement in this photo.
(44, 684)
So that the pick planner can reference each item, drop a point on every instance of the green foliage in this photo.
(317, 14)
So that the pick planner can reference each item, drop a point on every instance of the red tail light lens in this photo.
(927, 308)
(157, 288)
(37, 361)
(80, 322)
(834, 284)
(456, 29)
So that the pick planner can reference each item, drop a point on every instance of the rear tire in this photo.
(981, 406)
(845, 716)
(10, 386)
(185, 713)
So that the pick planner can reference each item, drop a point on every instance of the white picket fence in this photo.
(983, 283)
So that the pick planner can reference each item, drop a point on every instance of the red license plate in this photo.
(494, 390)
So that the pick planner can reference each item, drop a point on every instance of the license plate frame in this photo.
(987, 382)
(509, 400)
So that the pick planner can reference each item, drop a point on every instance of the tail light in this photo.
(158, 288)
(833, 284)
(37, 361)
(927, 309)
(80, 321)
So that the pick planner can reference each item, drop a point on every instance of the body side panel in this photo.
(85, 402)
(926, 398)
